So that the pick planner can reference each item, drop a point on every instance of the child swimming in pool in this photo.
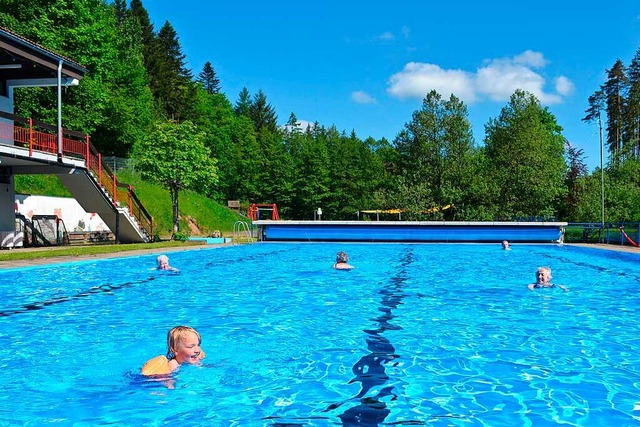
(342, 260)
(163, 263)
(183, 347)
(505, 245)
(543, 280)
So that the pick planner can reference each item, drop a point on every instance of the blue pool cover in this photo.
(406, 231)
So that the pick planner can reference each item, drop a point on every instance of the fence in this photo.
(119, 164)
(595, 232)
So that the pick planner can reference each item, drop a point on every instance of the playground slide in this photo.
(629, 239)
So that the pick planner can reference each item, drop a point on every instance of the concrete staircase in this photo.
(84, 187)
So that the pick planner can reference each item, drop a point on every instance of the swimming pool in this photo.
(417, 334)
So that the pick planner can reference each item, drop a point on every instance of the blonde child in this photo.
(183, 347)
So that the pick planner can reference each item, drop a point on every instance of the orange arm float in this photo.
(157, 366)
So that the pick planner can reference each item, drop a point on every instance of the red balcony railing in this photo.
(39, 136)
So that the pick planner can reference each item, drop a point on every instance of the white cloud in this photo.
(496, 80)
(361, 97)
(564, 86)
(500, 79)
(530, 58)
(417, 79)
(406, 31)
(386, 36)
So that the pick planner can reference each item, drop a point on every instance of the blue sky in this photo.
(367, 66)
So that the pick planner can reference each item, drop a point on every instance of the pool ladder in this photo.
(242, 230)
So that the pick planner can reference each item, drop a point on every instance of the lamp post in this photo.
(601, 168)
(60, 110)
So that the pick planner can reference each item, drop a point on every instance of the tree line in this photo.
(140, 100)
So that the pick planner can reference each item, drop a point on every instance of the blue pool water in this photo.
(423, 334)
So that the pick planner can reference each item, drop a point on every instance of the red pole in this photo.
(87, 158)
(115, 191)
(130, 201)
(100, 168)
(30, 137)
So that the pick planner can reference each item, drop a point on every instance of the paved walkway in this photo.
(618, 248)
(63, 259)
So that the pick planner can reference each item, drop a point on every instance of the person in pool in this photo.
(163, 263)
(505, 245)
(543, 280)
(183, 347)
(342, 261)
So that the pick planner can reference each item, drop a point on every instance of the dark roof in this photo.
(31, 60)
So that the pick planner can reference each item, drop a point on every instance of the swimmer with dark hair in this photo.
(543, 280)
(342, 261)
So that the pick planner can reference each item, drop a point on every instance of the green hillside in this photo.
(199, 216)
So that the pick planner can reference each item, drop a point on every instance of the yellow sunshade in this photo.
(398, 211)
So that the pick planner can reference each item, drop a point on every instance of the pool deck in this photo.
(618, 248)
(63, 259)
(138, 252)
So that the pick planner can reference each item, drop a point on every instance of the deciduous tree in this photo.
(435, 149)
(525, 150)
(175, 155)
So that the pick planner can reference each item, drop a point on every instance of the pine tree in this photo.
(309, 182)
(262, 113)
(576, 172)
(131, 107)
(614, 89)
(355, 172)
(292, 126)
(208, 79)
(138, 11)
(596, 105)
(120, 7)
(632, 114)
(243, 104)
(175, 89)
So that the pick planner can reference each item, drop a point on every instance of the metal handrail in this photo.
(40, 136)
(240, 227)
